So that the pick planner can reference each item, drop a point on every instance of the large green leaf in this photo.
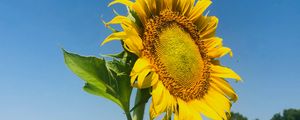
(95, 90)
(106, 79)
(120, 71)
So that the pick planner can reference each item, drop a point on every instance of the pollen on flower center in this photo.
(172, 43)
(180, 55)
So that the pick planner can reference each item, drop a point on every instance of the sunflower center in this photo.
(173, 45)
(180, 55)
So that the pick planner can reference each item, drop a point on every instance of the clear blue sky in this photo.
(36, 85)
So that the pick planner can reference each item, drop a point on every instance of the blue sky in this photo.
(36, 84)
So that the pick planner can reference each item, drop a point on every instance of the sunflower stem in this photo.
(138, 113)
(128, 115)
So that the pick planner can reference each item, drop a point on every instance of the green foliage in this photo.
(288, 114)
(237, 116)
(108, 79)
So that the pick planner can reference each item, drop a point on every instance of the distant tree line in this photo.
(288, 114)
(237, 116)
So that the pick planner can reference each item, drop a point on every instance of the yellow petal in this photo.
(130, 36)
(154, 78)
(183, 110)
(198, 10)
(122, 20)
(139, 65)
(176, 117)
(133, 80)
(118, 19)
(152, 6)
(161, 98)
(141, 8)
(223, 87)
(175, 5)
(125, 2)
(202, 23)
(125, 22)
(133, 41)
(131, 50)
(201, 106)
(216, 108)
(212, 43)
(142, 81)
(211, 27)
(219, 100)
(152, 112)
(186, 112)
(185, 6)
(159, 6)
(219, 52)
(140, 70)
(114, 36)
(215, 62)
(223, 72)
(168, 4)
(168, 115)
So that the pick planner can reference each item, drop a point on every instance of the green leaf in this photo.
(118, 67)
(108, 79)
(97, 76)
(92, 89)
(117, 56)
(142, 98)
(120, 71)
(125, 90)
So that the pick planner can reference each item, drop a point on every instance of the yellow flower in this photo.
(178, 57)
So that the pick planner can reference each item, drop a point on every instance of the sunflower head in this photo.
(178, 57)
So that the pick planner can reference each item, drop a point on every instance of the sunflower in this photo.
(178, 56)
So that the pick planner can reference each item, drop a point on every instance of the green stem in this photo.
(128, 115)
(138, 113)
